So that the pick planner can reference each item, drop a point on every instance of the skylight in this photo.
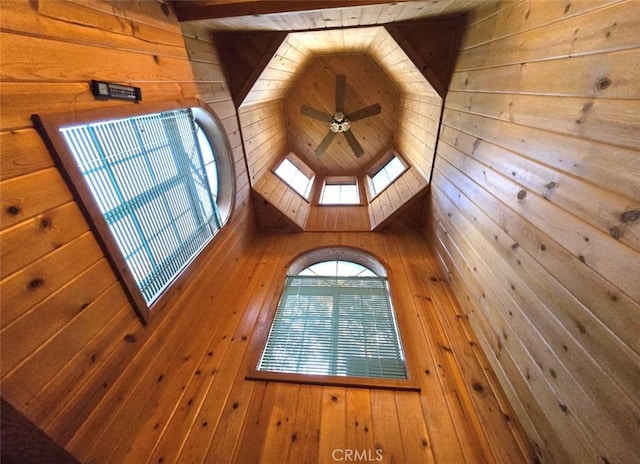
(295, 178)
(385, 176)
(342, 193)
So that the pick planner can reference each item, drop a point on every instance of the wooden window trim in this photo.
(48, 126)
(376, 167)
(265, 320)
(340, 180)
(306, 170)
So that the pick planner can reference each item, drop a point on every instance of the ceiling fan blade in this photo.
(311, 112)
(354, 144)
(364, 112)
(341, 89)
(325, 143)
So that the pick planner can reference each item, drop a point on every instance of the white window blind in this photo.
(338, 326)
(155, 181)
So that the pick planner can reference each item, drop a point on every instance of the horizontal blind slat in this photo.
(340, 326)
(147, 177)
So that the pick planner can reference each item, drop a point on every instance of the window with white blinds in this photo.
(155, 181)
(337, 325)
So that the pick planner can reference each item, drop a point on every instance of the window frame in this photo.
(378, 166)
(303, 168)
(49, 125)
(263, 326)
(340, 180)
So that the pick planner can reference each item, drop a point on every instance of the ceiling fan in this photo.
(340, 122)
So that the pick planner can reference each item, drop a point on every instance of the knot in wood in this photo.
(477, 386)
(35, 283)
(603, 83)
(45, 223)
(630, 216)
(13, 210)
(615, 232)
(522, 194)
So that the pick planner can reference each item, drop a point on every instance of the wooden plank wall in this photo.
(282, 69)
(265, 111)
(264, 133)
(271, 188)
(244, 57)
(184, 398)
(395, 197)
(419, 108)
(416, 134)
(68, 334)
(410, 217)
(394, 60)
(269, 218)
(265, 137)
(432, 46)
(535, 199)
(338, 218)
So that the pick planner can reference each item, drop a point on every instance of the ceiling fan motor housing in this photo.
(339, 123)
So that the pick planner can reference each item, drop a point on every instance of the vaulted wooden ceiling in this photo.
(299, 15)
(402, 66)
(366, 85)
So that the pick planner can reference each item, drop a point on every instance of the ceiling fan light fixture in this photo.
(339, 123)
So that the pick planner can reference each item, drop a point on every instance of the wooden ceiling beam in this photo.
(200, 10)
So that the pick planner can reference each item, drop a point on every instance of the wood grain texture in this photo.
(176, 390)
(338, 218)
(409, 118)
(286, 208)
(396, 198)
(68, 332)
(536, 167)
(545, 279)
(393, 58)
(417, 131)
(245, 57)
(366, 85)
(432, 46)
(335, 15)
(264, 137)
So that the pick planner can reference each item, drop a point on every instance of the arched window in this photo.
(334, 320)
(156, 182)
